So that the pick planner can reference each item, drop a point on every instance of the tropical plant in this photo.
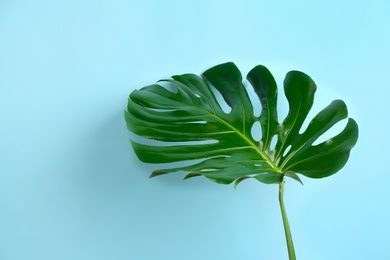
(185, 109)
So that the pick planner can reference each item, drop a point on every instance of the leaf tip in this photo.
(191, 175)
(294, 176)
(237, 181)
(157, 173)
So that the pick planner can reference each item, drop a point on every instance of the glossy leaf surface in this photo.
(187, 116)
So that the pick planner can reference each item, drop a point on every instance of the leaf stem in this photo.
(290, 244)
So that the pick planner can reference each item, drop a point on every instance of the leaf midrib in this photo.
(246, 139)
(286, 137)
(295, 152)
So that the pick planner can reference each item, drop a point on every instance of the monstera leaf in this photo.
(189, 112)
(184, 113)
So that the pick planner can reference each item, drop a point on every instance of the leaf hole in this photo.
(332, 132)
(282, 105)
(201, 122)
(256, 131)
(168, 86)
(161, 110)
(318, 105)
(161, 142)
(312, 113)
(254, 99)
(222, 103)
(287, 150)
(274, 140)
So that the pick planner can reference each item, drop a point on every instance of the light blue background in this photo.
(70, 184)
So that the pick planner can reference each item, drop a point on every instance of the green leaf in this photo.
(184, 114)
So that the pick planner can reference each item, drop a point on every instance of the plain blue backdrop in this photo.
(71, 186)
